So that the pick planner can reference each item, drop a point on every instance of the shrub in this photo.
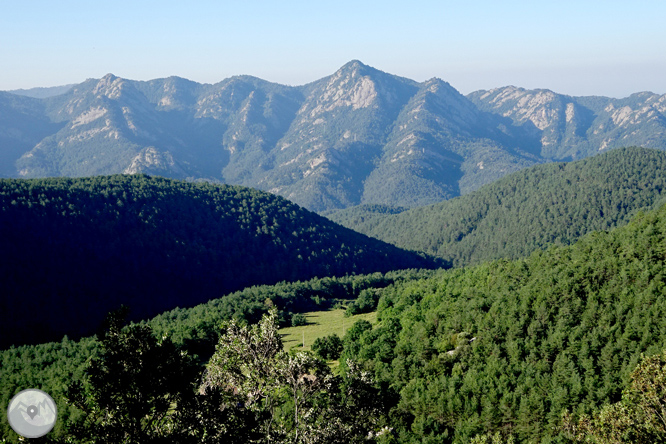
(298, 319)
(328, 347)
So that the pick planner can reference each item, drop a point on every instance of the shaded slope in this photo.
(73, 249)
(526, 210)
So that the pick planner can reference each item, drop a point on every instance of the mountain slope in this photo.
(526, 210)
(440, 146)
(73, 249)
(359, 136)
(23, 124)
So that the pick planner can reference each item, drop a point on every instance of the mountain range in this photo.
(359, 136)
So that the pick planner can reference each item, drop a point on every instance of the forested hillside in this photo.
(544, 204)
(507, 346)
(74, 249)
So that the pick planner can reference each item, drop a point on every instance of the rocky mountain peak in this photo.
(109, 86)
(354, 66)
(434, 84)
(355, 71)
(350, 86)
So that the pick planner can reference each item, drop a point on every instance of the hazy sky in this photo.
(581, 47)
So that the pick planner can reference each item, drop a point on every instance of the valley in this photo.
(319, 325)
(548, 328)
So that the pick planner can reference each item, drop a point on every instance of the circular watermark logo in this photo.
(32, 413)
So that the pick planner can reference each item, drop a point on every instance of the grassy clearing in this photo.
(320, 324)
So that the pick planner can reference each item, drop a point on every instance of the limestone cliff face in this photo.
(153, 162)
(358, 136)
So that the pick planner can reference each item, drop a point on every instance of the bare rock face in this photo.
(358, 136)
(151, 161)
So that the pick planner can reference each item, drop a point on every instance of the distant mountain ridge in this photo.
(571, 128)
(359, 136)
(42, 93)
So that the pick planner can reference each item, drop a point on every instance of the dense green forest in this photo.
(75, 249)
(528, 210)
(505, 347)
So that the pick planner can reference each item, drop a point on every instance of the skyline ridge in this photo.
(26, 91)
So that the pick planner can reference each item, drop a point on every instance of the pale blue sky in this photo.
(610, 47)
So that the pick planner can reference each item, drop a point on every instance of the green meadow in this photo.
(321, 324)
